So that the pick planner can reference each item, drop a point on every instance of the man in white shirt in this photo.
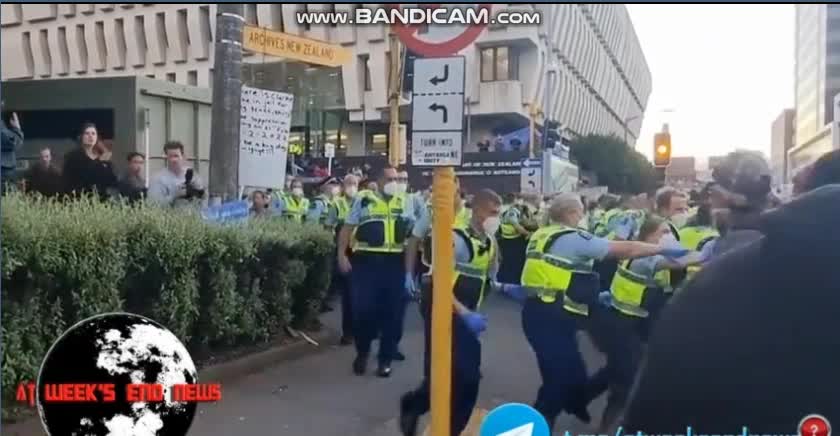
(177, 184)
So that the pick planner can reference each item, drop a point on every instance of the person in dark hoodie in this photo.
(12, 142)
(752, 341)
(742, 183)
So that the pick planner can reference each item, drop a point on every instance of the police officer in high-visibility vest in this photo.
(376, 228)
(558, 272)
(513, 239)
(475, 265)
(350, 187)
(700, 231)
(293, 205)
(672, 205)
(634, 299)
(323, 209)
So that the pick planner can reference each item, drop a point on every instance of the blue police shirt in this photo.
(624, 226)
(318, 207)
(581, 247)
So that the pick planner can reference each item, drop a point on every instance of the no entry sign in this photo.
(408, 35)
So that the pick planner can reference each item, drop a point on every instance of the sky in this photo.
(724, 71)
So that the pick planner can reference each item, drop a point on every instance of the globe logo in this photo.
(116, 374)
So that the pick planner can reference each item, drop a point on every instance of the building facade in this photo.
(682, 172)
(817, 79)
(782, 138)
(604, 80)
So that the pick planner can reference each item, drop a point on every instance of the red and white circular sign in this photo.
(408, 34)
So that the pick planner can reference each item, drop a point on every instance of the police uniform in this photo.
(558, 270)
(378, 272)
(291, 207)
(342, 283)
(637, 295)
(475, 265)
(697, 238)
(512, 244)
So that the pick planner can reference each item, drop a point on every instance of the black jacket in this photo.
(83, 175)
(754, 338)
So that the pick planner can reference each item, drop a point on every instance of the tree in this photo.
(616, 165)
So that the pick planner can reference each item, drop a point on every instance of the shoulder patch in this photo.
(584, 234)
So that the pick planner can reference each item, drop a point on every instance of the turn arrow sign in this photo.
(436, 107)
(438, 80)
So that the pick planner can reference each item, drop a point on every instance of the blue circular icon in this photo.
(514, 419)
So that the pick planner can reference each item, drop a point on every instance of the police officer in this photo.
(475, 265)
(293, 205)
(672, 205)
(377, 227)
(558, 272)
(700, 229)
(322, 208)
(634, 299)
(350, 187)
(512, 241)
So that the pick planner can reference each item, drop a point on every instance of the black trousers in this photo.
(466, 374)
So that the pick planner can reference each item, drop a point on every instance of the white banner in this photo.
(264, 137)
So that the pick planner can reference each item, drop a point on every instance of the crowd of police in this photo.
(606, 270)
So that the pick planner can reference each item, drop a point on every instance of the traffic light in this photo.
(662, 149)
(552, 134)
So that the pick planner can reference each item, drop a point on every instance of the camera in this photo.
(192, 192)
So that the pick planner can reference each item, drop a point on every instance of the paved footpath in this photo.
(319, 395)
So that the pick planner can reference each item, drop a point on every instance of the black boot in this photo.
(408, 417)
(360, 364)
(384, 370)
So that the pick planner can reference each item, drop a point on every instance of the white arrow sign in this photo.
(437, 118)
(522, 430)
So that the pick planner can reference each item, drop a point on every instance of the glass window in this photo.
(364, 66)
(499, 63)
(377, 144)
(487, 65)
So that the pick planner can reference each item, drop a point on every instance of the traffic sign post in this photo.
(437, 140)
(437, 119)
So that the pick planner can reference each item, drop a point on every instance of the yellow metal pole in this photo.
(443, 200)
(394, 142)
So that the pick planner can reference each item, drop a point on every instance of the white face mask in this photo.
(334, 190)
(297, 192)
(350, 191)
(391, 188)
(679, 220)
(402, 188)
(491, 225)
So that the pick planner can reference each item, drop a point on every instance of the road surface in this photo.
(319, 395)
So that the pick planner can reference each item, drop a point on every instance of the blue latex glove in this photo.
(605, 298)
(674, 253)
(476, 322)
(410, 286)
(514, 292)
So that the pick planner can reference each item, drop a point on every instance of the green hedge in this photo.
(214, 286)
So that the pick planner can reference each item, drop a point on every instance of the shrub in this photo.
(215, 286)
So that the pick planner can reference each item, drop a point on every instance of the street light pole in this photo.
(227, 87)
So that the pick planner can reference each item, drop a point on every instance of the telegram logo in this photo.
(514, 419)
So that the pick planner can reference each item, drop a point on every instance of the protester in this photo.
(825, 171)
(87, 169)
(12, 142)
(43, 177)
(260, 204)
(176, 185)
(761, 319)
(132, 186)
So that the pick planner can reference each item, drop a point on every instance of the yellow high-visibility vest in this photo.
(383, 228)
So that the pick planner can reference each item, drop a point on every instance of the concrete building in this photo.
(817, 76)
(781, 141)
(604, 78)
(682, 173)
